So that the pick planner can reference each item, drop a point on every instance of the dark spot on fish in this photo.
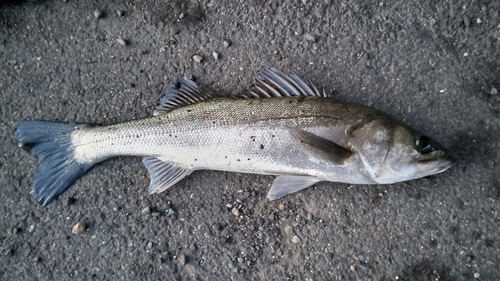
(301, 99)
(248, 159)
(225, 157)
(261, 146)
(189, 110)
(238, 160)
(169, 135)
(252, 138)
(213, 122)
(272, 136)
(132, 85)
(137, 136)
(195, 159)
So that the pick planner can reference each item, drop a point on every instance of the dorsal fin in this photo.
(182, 93)
(274, 83)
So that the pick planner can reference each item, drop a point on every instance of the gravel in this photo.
(61, 63)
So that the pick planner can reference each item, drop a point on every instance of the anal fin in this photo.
(284, 185)
(163, 174)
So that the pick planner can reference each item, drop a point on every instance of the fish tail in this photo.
(57, 169)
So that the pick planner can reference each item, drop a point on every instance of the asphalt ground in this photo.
(433, 64)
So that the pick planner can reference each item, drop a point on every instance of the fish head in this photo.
(393, 152)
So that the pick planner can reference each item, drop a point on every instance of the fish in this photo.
(280, 126)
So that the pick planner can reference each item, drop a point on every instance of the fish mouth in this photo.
(438, 165)
(444, 164)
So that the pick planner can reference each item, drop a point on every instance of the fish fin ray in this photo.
(288, 184)
(163, 174)
(322, 148)
(181, 93)
(50, 143)
(272, 82)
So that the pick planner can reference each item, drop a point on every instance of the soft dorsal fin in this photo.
(274, 83)
(182, 93)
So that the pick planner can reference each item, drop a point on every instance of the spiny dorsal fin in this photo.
(274, 83)
(182, 93)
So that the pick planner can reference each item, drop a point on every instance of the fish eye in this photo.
(423, 145)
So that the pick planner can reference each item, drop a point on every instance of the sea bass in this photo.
(282, 126)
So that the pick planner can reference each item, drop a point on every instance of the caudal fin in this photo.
(57, 169)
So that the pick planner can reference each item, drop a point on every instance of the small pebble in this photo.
(229, 206)
(494, 91)
(146, 211)
(310, 37)
(98, 14)
(183, 259)
(276, 52)
(197, 58)
(281, 207)
(466, 20)
(171, 212)
(120, 13)
(240, 260)
(103, 251)
(122, 41)
(352, 268)
(226, 43)
(288, 229)
(478, 20)
(216, 55)
(466, 54)
(79, 228)
(182, 15)
(235, 212)
(13, 230)
(476, 275)
(295, 239)
(35, 259)
(271, 217)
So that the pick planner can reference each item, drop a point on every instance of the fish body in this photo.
(282, 127)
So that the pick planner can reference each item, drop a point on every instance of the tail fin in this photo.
(57, 169)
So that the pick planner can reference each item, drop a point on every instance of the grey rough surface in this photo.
(431, 64)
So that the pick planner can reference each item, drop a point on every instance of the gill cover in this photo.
(372, 140)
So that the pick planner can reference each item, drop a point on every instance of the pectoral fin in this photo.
(163, 174)
(284, 185)
(321, 148)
